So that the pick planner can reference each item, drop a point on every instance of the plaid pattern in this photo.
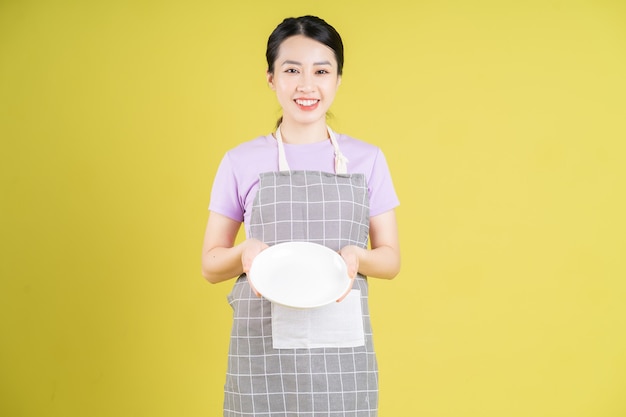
(319, 207)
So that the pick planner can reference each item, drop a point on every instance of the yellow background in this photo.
(504, 123)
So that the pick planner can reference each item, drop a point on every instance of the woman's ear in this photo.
(270, 79)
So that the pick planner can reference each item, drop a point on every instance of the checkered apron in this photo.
(331, 209)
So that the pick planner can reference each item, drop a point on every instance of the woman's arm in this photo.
(221, 260)
(383, 260)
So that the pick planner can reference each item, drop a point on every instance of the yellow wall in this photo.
(504, 123)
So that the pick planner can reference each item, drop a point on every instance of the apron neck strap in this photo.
(341, 161)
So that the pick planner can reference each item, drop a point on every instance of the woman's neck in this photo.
(301, 134)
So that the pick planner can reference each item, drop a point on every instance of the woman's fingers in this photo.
(251, 249)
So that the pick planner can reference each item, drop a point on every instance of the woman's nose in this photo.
(305, 84)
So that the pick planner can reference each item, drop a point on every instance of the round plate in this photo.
(299, 274)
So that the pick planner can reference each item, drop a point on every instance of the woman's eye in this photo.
(323, 72)
(291, 71)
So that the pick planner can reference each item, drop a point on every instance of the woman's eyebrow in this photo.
(289, 62)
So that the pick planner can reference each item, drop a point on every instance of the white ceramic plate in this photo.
(299, 274)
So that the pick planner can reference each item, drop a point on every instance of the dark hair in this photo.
(310, 26)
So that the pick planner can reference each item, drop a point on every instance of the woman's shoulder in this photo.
(249, 158)
(252, 147)
(357, 148)
(355, 143)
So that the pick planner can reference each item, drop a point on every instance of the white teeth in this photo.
(306, 102)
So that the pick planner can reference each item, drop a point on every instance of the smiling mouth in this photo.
(306, 102)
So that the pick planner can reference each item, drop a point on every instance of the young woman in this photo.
(304, 182)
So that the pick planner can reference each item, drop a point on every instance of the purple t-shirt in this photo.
(237, 178)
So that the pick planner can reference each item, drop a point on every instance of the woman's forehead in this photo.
(300, 49)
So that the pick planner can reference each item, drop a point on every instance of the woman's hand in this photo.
(383, 259)
(220, 259)
(251, 248)
(350, 255)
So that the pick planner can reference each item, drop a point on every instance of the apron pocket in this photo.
(333, 325)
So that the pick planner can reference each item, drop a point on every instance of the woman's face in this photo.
(305, 79)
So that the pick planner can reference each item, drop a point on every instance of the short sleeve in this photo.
(382, 193)
(225, 192)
